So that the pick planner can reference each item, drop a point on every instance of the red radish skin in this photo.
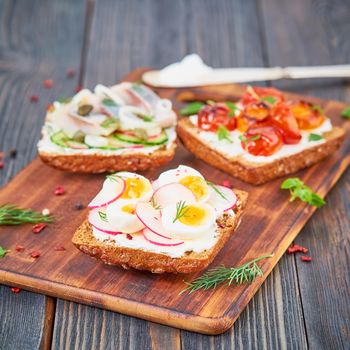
(95, 203)
(221, 204)
(96, 222)
(153, 238)
(150, 217)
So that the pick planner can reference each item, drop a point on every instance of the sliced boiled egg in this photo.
(188, 220)
(121, 215)
(137, 187)
(188, 177)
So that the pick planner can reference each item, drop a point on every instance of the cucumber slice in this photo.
(152, 141)
(76, 145)
(60, 139)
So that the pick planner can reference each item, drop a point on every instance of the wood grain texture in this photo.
(39, 40)
(321, 38)
(80, 278)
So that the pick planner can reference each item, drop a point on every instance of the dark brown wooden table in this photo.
(300, 305)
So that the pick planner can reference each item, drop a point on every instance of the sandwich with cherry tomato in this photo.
(260, 137)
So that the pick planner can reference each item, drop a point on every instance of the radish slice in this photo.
(172, 193)
(157, 240)
(222, 198)
(155, 185)
(112, 189)
(101, 225)
(150, 217)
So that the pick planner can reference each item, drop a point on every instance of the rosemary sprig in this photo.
(212, 185)
(181, 210)
(245, 273)
(12, 215)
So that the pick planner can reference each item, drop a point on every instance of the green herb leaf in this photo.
(233, 108)
(147, 118)
(212, 185)
(317, 108)
(3, 252)
(223, 134)
(12, 215)
(103, 216)
(64, 100)
(315, 137)
(248, 139)
(155, 204)
(346, 113)
(298, 189)
(109, 102)
(108, 122)
(269, 99)
(191, 108)
(245, 273)
(113, 177)
(181, 210)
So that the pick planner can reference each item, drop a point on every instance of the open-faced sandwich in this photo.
(261, 137)
(176, 224)
(122, 127)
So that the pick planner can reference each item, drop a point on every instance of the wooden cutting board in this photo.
(269, 225)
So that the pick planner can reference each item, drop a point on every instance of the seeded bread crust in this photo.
(99, 163)
(112, 254)
(255, 173)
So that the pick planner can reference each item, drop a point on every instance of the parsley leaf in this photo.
(315, 137)
(191, 108)
(232, 107)
(248, 139)
(298, 189)
(3, 252)
(223, 134)
(346, 113)
(269, 99)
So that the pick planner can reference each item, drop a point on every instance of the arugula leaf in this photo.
(109, 102)
(223, 134)
(248, 139)
(298, 189)
(233, 108)
(191, 108)
(3, 252)
(269, 99)
(315, 137)
(346, 113)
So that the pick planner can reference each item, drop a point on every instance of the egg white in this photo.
(122, 220)
(180, 230)
(148, 194)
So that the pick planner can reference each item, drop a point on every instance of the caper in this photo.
(85, 110)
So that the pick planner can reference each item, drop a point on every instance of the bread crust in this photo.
(112, 254)
(254, 173)
(99, 163)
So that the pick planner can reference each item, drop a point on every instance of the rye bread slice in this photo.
(257, 173)
(140, 259)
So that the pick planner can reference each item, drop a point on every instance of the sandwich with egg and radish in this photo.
(260, 137)
(122, 127)
(177, 224)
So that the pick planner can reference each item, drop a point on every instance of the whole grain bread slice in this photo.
(257, 173)
(140, 259)
(99, 163)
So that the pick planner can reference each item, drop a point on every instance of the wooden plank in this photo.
(35, 45)
(323, 283)
(139, 294)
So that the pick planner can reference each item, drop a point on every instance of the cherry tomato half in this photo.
(210, 117)
(256, 93)
(307, 116)
(262, 140)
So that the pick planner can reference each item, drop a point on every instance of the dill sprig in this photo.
(245, 273)
(12, 215)
(212, 185)
(181, 210)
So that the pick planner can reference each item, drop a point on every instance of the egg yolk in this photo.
(196, 184)
(130, 208)
(134, 188)
(194, 216)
